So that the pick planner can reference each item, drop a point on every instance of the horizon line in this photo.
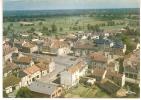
(69, 9)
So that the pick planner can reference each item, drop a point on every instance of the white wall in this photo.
(66, 78)
(75, 78)
(51, 66)
(44, 72)
(8, 89)
(33, 49)
(83, 71)
(63, 51)
(123, 80)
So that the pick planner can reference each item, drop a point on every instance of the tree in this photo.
(9, 28)
(21, 25)
(89, 27)
(30, 37)
(5, 94)
(61, 29)
(45, 29)
(24, 92)
(11, 24)
(54, 28)
(5, 32)
(32, 29)
(110, 23)
(129, 43)
(121, 68)
(40, 23)
(97, 28)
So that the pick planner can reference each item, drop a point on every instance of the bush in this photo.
(5, 94)
(24, 92)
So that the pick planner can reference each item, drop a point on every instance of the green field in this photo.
(86, 92)
(66, 23)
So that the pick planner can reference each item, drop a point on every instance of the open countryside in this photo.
(71, 53)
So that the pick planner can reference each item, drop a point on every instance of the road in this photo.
(61, 63)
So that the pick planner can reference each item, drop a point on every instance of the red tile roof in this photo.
(29, 45)
(24, 59)
(98, 56)
(113, 74)
(8, 49)
(32, 69)
(42, 66)
(58, 44)
(76, 67)
(98, 72)
(132, 60)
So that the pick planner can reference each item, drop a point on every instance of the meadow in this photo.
(67, 24)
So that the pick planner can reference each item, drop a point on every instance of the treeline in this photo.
(105, 14)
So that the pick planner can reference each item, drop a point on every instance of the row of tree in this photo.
(94, 28)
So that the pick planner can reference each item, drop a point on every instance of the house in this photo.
(9, 68)
(5, 40)
(62, 47)
(29, 47)
(43, 67)
(99, 74)
(18, 43)
(83, 47)
(138, 46)
(23, 78)
(117, 78)
(70, 77)
(33, 73)
(109, 87)
(118, 47)
(91, 81)
(48, 64)
(24, 45)
(51, 90)
(113, 66)
(49, 51)
(26, 23)
(38, 33)
(103, 43)
(24, 35)
(106, 35)
(8, 51)
(131, 66)
(23, 61)
(95, 37)
(98, 60)
(11, 83)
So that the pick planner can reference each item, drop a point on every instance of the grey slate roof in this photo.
(103, 41)
(41, 87)
(118, 44)
(21, 74)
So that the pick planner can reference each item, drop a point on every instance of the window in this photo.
(33, 79)
(130, 75)
(37, 76)
(135, 76)
(59, 91)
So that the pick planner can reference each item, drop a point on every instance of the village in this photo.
(55, 65)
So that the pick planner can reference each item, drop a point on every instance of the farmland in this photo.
(71, 23)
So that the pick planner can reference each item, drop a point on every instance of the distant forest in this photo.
(103, 14)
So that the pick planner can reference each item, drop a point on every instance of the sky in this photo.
(68, 4)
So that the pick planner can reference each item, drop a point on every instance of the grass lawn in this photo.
(86, 92)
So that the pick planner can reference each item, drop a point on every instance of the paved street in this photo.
(61, 63)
